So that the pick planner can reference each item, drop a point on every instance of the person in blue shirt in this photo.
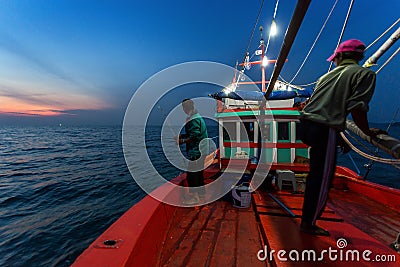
(195, 139)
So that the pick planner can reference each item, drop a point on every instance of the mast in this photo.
(262, 65)
(374, 58)
(293, 28)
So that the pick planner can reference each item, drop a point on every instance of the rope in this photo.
(377, 39)
(273, 18)
(308, 84)
(370, 164)
(296, 85)
(362, 144)
(343, 28)
(315, 41)
(254, 28)
(365, 155)
(388, 60)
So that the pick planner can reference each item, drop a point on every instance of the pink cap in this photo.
(352, 45)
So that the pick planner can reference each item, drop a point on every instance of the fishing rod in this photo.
(170, 127)
(173, 132)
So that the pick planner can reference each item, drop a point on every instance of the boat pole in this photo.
(293, 28)
(374, 58)
(384, 142)
(282, 205)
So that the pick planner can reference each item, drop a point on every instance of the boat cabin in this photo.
(247, 132)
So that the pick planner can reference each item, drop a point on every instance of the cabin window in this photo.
(298, 131)
(229, 131)
(265, 128)
(283, 131)
(247, 131)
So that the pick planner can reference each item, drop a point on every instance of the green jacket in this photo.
(349, 86)
(196, 131)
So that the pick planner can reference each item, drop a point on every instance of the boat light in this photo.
(247, 64)
(273, 30)
(264, 61)
(230, 88)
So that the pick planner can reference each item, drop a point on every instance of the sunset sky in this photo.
(72, 59)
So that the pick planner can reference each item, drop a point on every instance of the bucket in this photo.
(241, 196)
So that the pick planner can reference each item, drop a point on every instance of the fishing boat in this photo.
(257, 222)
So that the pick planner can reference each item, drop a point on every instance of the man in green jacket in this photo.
(346, 89)
(196, 142)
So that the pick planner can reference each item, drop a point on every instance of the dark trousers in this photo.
(322, 168)
(195, 178)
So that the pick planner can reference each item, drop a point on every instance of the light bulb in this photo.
(273, 30)
(264, 61)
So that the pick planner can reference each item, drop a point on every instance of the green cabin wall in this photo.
(283, 155)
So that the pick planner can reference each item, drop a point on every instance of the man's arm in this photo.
(361, 120)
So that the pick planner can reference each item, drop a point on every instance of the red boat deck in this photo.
(221, 235)
(153, 233)
(212, 235)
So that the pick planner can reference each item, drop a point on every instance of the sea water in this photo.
(61, 187)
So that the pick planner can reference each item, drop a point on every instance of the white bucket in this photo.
(241, 196)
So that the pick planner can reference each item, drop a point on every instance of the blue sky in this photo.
(81, 61)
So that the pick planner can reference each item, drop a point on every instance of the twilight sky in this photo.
(69, 61)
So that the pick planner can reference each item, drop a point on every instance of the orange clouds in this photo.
(48, 105)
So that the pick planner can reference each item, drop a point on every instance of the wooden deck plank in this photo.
(381, 222)
(294, 202)
(202, 249)
(225, 247)
(283, 233)
(216, 235)
(248, 240)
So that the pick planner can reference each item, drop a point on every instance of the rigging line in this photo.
(307, 84)
(254, 53)
(393, 119)
(365, 155)
(377, 39)
(299, 85)
(360, 143)
(369, 165)
(388, 60)
(273, 18)
(343, 28)
(397, 167)
(280, 76)
(276, 8)
(315, 41)
(254, 28)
